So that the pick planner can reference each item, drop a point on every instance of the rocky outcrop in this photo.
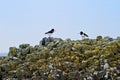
(57, 59)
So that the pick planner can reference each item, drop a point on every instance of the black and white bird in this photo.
(83, 34)
(49, 33)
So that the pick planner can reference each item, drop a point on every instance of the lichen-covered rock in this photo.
(23, 46)
(12, 51)
(45, 41)
(57, 59)
(99, 38)
(107, 38)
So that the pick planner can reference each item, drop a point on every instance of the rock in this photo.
(25, 51)
(57, 59)
(106, 61)
(99, 38)
(118, 78)
(31, 49)
(24, 46)
(108, 39)
(118, 38)
(106, 66)
(12, 51)
(1, 77)
(45, 41)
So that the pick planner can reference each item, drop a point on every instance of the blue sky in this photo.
(26, 21)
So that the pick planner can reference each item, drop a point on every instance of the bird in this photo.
(83, 34)
(50, 32)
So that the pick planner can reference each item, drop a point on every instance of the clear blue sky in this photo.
(26, 21)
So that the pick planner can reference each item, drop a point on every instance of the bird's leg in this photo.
(83, 37)
(49, 35)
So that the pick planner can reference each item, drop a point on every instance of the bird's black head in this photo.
(52, 29)
(81, 33)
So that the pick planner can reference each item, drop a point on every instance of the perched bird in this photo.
(50, 32)
(83, 34)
